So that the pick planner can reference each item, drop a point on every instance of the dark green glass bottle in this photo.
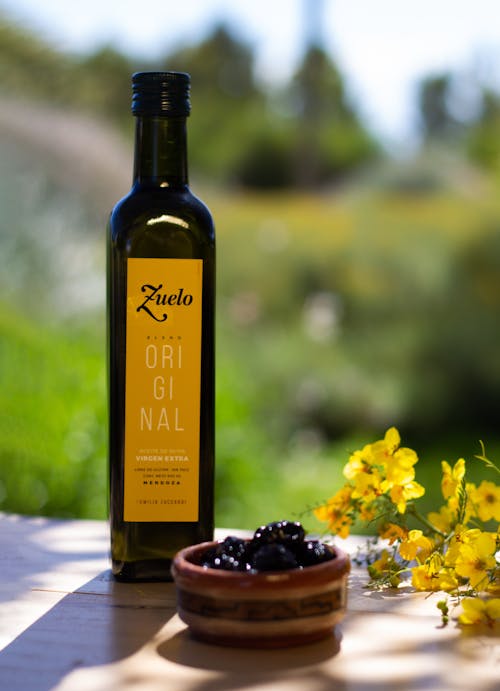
(161, 278)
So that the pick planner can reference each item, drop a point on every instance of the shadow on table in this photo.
(100, 623)
(32, 547)
(183, 649)
(239, 668)
(305, 668)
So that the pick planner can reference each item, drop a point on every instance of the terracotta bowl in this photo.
(272, 609)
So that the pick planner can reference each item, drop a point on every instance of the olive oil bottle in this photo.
(161, 290)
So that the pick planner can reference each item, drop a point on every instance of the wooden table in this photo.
(66, 625)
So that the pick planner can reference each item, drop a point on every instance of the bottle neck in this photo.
(160, 151)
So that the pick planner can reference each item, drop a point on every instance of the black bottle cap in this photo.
(161, 93)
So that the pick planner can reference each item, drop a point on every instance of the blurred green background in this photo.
(355, 290)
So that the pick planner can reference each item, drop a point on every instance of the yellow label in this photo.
(162, 394)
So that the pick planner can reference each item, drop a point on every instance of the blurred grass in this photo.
(52, 427)
(339, 315)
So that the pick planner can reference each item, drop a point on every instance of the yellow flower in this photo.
(364, 475)
(416, 546)
(382, 564)
(367, 513)
(400, 494)
(452, 477)
(396, 462)
(378, 452)
(447, 580)
(391, 469)
(432, 576)
(460, 537)
(399, 469)
(393, 532)
(442, 519)
(477, 611)
(367, 486)
(486, 500)
(335, 512)
(385, 567)
(342, 526)
(476, 558)
(392, 440)
(384, 468)
(357, 463)
(423, 578)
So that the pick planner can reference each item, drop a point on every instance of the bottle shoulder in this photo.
(147, 207)
(177, 200)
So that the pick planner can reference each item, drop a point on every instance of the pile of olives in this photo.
(276, 546)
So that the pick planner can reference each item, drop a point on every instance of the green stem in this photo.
(490, 464)
(424, 521)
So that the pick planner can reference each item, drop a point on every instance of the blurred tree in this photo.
(103, 80)
(236, 135)
(99, 82)
(221, 66)
(228, 106)
(459, 111)
(483, 139)
(329, 139)
(29, 65)
(433, 100)
(242, 139)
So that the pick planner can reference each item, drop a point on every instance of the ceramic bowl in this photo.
(269, 609)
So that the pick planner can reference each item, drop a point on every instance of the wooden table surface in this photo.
(65, 624)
